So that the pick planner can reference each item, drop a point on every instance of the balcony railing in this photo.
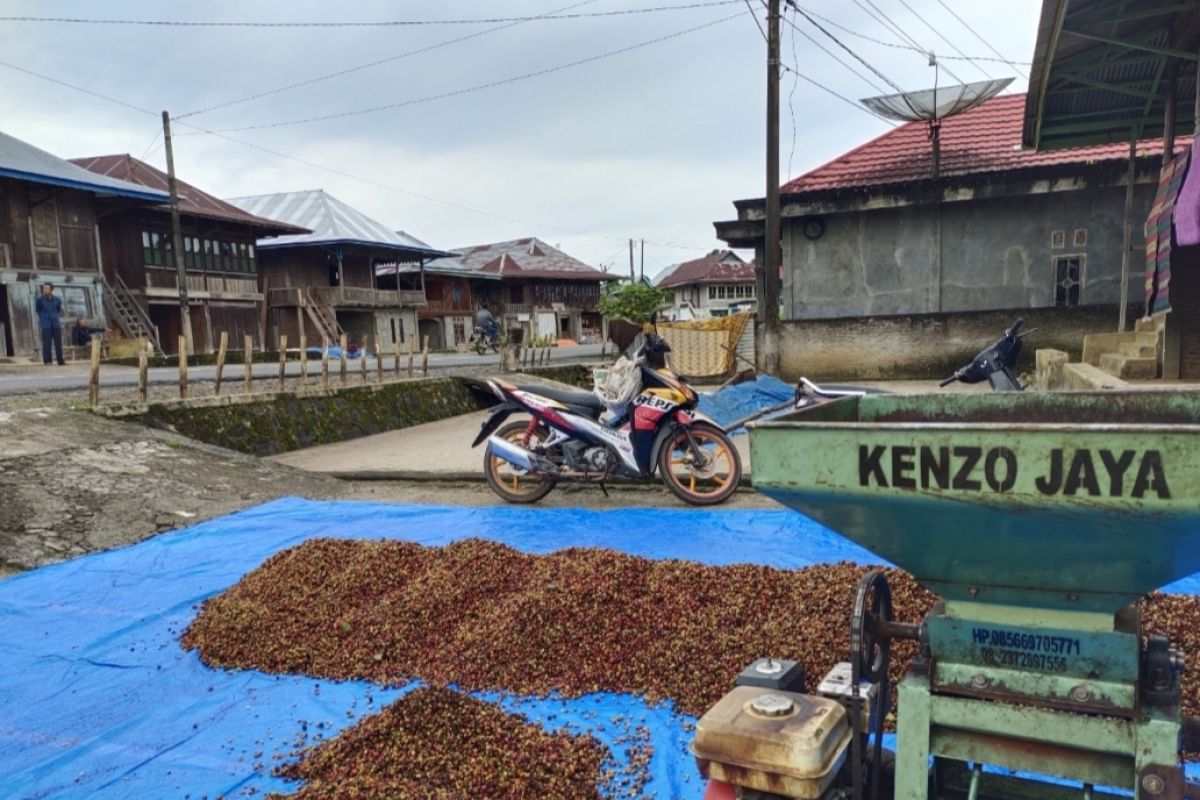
(161, 281)
(344, 296)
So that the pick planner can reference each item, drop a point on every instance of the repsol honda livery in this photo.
(576, 435)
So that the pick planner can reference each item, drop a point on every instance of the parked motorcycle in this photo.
(993, 364)
(480, 340)
(576, 436)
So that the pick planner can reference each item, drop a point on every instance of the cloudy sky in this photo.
(653, 143)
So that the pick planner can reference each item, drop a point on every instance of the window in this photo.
(1068, 280)
(1058, 240)
(210, 254)
(1079, 238)
(227, 257)
(712, 293)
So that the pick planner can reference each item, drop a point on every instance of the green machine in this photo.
(1039, 520)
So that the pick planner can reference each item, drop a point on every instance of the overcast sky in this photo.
(653, 143)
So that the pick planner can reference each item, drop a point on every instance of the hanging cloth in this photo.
(1158, 233)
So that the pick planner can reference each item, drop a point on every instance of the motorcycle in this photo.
(576, 436)
(481, 340)
(993, 364)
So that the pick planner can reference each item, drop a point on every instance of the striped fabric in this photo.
(1158, 234)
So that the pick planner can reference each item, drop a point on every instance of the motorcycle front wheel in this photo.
(704, 471)
(512, 483)
(480, 347)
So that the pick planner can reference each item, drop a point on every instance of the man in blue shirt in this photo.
(49, 309)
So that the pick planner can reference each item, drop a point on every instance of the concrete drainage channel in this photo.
(416, 430)
(269, 423)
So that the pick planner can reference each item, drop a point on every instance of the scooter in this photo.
(993, 364)
(571, 435)
(480, 340)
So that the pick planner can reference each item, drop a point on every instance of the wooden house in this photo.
(220, 257)
(322, 284)
(535, 290)
(49, 213)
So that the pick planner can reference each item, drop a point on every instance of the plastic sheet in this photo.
(99, 701)
(743, 399)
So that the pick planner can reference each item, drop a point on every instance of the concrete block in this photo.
(1087, 378)
(1130, 368)
(1049, 369)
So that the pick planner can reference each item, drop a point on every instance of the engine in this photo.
(588, 458)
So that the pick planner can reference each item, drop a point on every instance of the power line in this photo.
(756, 22)
(831, 54)
(894, 27)
(846, 47)
(942, 36)
(166, 23)
(841, 97)
(378, 62)
(334, 170)
(481, 86)
(986, 43)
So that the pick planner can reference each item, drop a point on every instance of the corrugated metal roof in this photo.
(192, 201)
(986, 139)
(23, 161)
(1100, 70)
(523, 258)
(330, 220)
(719, 266)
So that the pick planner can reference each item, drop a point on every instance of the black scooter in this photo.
(993, 364)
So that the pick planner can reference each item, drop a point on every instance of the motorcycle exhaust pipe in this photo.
(519, 457)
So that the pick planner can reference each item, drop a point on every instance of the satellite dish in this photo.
(934, 105)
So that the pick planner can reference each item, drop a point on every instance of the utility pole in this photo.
(632, 277)
(185, 316)
(642, 262)
(768, 269)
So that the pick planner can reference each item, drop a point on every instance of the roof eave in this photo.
(148, 196)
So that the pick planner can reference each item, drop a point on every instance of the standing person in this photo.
(49, 309)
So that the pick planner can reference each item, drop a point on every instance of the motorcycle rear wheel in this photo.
(701, 484)
(510, 482)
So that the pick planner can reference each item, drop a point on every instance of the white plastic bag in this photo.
(619, 386)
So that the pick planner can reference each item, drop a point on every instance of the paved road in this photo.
(21, 380)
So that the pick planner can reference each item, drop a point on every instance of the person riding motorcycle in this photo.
(486, 322)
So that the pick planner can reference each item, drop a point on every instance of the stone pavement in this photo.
(433, 451)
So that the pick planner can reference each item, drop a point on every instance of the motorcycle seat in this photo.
(578, 399)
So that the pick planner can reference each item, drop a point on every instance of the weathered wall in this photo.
(927, 346)
(994, 254)
(264, 424)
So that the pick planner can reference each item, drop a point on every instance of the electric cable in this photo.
(943, 37)
(477, 87)
(369, 64)
(334, 170)
(986, 43)
(166, 23)
(847, 48)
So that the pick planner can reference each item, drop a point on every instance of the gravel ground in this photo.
(73, 483)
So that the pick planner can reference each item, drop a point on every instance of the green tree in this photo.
(632, 301)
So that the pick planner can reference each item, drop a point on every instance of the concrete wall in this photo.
(269, 423)
(994, 254)
(927, 346)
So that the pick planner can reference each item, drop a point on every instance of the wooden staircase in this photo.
(132, 319)
(322, 317)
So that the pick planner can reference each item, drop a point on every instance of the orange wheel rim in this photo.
(717, 473)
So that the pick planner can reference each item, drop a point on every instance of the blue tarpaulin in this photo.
(98, 700)
(743, 399)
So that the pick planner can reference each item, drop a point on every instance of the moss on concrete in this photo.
(265, 424)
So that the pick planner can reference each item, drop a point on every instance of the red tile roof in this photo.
(719, 266)
(983, 140)
(192, 201)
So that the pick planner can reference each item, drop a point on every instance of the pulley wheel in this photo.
(869, 652)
